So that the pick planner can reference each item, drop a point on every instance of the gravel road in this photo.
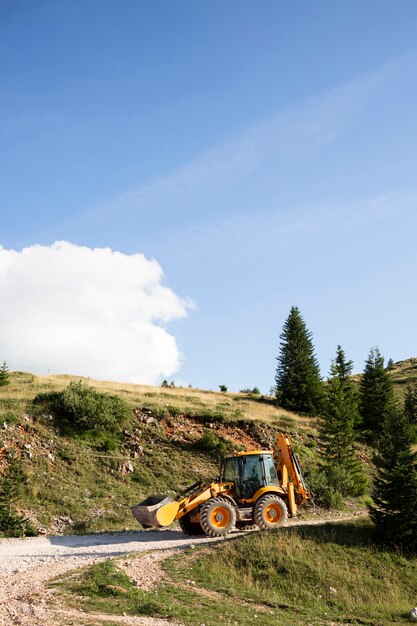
(27, 564)
(20, 555)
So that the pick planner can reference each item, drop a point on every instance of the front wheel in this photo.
(188, 527)
(270, 512)
(217, 517)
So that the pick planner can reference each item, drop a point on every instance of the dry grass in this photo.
(233, 406)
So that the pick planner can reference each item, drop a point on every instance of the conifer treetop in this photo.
(298, 380)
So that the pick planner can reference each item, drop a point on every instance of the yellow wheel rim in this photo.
(273, 513)
(220, 517)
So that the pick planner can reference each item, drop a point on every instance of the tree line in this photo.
(349, 411)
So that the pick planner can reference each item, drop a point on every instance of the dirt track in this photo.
(27, 564)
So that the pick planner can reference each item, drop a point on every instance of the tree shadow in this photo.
(346, 534)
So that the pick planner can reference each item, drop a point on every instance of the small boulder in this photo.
(126, 468)
(413, 614)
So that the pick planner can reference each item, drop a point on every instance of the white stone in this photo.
(413, 614)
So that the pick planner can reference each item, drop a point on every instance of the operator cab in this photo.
(249, 472)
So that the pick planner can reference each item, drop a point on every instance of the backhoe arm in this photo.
(290, 468)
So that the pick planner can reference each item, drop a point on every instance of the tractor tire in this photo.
(217, 517)
(188, 527)
(270, 512)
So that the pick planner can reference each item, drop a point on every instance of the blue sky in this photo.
(264, 154)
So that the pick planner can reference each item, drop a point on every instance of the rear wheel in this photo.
(188, 527)
(270, 512)
(217, 517)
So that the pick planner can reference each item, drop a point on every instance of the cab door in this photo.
(251, 475)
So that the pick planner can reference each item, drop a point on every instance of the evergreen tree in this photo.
(376, 393)
(12, 523)
(337, 427)
(298, 382)
(394, 512)
(410, 403)
(4, 374)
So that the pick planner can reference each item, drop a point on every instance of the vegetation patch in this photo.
(105, 587)
(319, 574)
(333, 572)
(214, 444)
(82, 410)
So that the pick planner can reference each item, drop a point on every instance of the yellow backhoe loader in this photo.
(253, 488)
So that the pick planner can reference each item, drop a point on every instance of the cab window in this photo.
(270, 470)
(252, 477)
(229, 471)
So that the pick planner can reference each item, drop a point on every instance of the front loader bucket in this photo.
(156, 511)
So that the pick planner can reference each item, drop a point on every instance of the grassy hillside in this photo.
(307, 575)
(403, 373)
(173, 437)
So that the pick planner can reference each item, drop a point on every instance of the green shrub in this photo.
(80, 409)
(324, 494)
(330, 485)
(286, 422)
(208, 415)
(213, 443)
(255, 391)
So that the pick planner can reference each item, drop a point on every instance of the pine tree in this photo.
(376, 393)
(410, 403)
(12, 523)
(337, 427)
(394, 512)
(4, 374)
(298, 382)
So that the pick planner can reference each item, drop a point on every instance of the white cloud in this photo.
(91, 312)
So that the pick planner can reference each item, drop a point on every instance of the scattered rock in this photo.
(126, 468)
(115, 589)
(28, 451)
(332, 590)
(413, 614)
(61, 524)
